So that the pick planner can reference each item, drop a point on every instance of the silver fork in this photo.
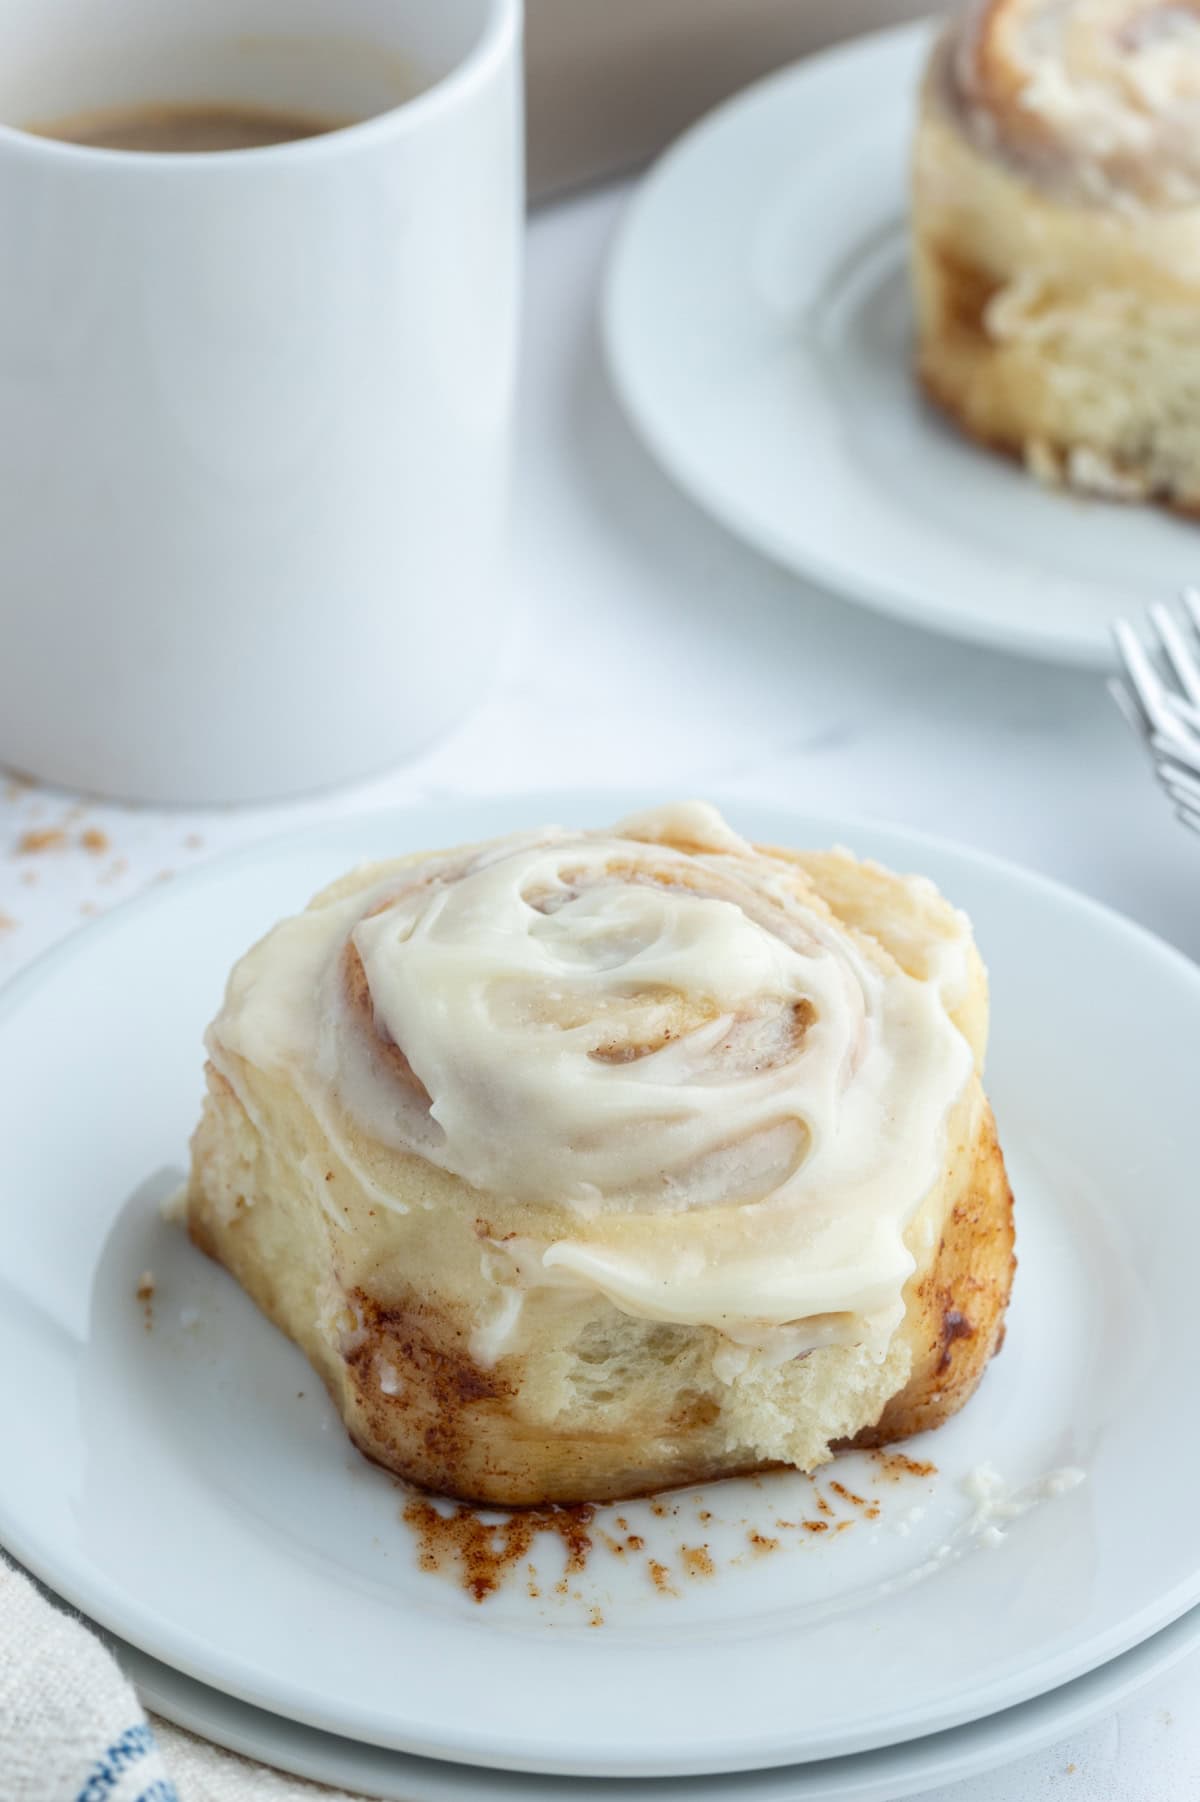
(1160, 697)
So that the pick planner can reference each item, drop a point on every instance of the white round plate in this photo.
(189, 1488)
(758, 330)
(882, 1776)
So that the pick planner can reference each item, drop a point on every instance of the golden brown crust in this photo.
(954, 1317)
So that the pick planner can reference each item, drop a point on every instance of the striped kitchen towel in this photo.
(72, 1729)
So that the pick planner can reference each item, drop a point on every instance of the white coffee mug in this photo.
(254, 404)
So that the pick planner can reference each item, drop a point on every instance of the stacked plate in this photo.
(172, 1468)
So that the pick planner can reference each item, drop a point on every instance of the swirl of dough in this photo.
(1099, 98)
(660, 1033)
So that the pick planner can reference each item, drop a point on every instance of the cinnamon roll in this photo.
(1056, 239)
(585, 1163)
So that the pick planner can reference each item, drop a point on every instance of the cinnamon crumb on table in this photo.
(41, 838)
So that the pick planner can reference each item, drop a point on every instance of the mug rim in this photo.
(501, 31)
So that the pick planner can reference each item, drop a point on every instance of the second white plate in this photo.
(882, 1776)
(759, 333)
(191, 1488)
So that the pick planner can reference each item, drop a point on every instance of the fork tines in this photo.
(1160, 696)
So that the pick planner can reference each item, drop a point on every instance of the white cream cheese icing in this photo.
(657, 1028)
(1102, 95)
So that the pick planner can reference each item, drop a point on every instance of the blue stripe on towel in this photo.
(111, 1767)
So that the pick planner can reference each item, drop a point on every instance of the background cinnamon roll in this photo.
(1056, 239)
(584, 1163)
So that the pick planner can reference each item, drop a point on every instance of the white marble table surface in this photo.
(652, 649)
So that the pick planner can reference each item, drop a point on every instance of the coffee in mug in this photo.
(185, 129)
